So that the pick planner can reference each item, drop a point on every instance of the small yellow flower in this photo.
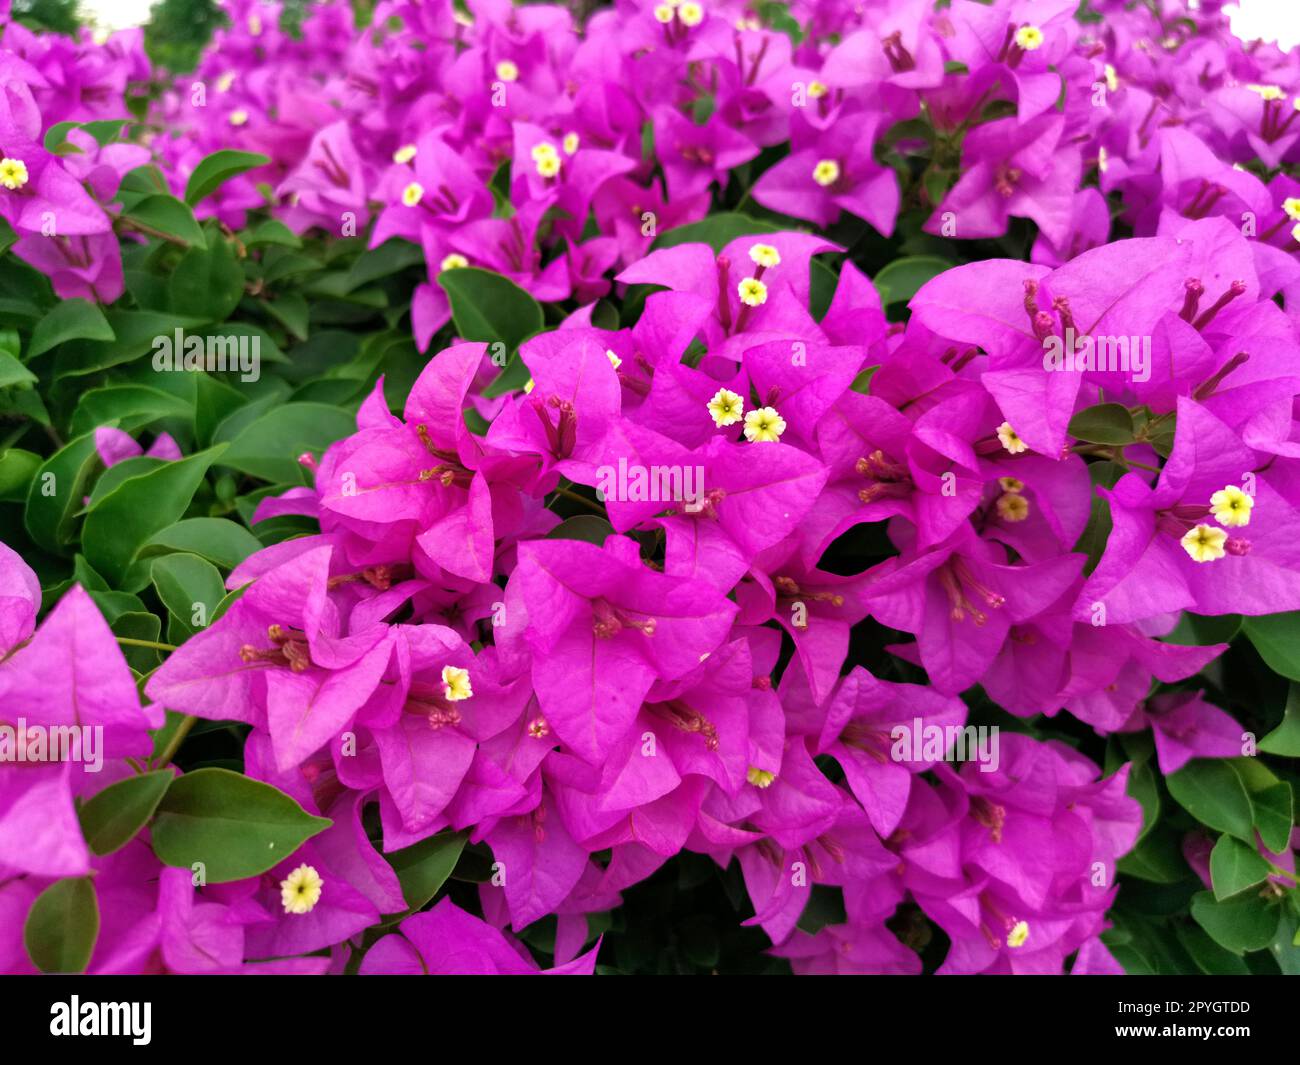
(764, 426)
(691, 13)
(301, 890)
(816, 90)
(1291, 205)
(1205, 543)
(1011, 484)
(1112, 78)
(548, 165)
(412, 194)
(1010, 439)
(238, 117)
(571, 142)
(225, 81)
(13, 173)
(255, 25)
(404, 154)
(1231, 506)
(507, 71)
(764, 255)
(454, 261)
(543, 150)
(1295, 232)
(455, 684)
(1012, 506)
(1103, 159)
(826, 173)
(760, 778)
(1018, 934)
(663, 13)
(1030, 38)
(753, 293)
(614, 360)
(726, 407)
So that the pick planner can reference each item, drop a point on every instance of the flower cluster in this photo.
(1050, 464)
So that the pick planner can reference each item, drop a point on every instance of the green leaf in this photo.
(124, 520)
(425, 866)
(717, 231)
(1211, 791)
(235, 826)
(168, 215)
(1277, 639)
(1274, 810)
(55, 494)
(208, 283)
(269, 447)
(1156, 858)
(1106, 423)
(72, 319)
(591, 528)
(273, 232)
(901, 279)
(62, 926)
(129, 407)
(219, 540)
(184, 582)
(217, 169)
(1092, 541)
(17, 468)
(1239, 924)
(1196, 630)
(13, 372)
(110, 820)
(490, 308)
(1234, 867)
(1210, 958)
(1285, 739)
(1142, 786)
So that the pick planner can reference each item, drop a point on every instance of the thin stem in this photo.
(178, 737)
(127, 222)
(592, 504)
(145, 643)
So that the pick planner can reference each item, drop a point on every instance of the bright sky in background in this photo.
(116, 14)
(1271, 20)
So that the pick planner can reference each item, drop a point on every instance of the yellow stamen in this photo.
(404, 154)
(507, 71)
(412, 194)
(765, 255)
(760, 778)
(454, 261)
